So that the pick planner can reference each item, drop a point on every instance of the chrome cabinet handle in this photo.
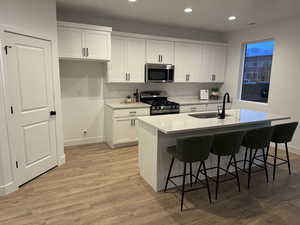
(129, 76)
(83, 52)
(87, 52)
(161, 58)
(213, 77)
(187, 77)
(132, 113)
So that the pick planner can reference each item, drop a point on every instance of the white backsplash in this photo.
(173, 90)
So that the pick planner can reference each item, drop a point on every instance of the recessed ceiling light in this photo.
(188, 10)
(132, 0)
(231, 18)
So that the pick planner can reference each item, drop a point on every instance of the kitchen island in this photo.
(156, 133)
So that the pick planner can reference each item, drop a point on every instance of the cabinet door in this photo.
(187, 62)
(192, 108)
(136, 59)
(117, 66)
(213, 61)
(97, 44)
(160, 52)
(125, 131)
(70, 43)
(219, 63)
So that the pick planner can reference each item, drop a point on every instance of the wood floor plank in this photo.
(100, 186)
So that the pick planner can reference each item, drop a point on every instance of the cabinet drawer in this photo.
(214, 107)
(192, 108)
(131, 112)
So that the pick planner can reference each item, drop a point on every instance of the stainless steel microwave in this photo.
(159, 73)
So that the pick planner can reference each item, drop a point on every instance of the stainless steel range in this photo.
(159, 103)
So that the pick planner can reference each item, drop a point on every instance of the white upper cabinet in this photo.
(97, 44)
(128, 60)
(70, 43)
(80, 41)
(188, 62)
(213, 63)
(161, 52)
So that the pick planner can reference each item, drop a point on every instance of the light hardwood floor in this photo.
(99, 186)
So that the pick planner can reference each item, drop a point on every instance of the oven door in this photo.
(159, 73)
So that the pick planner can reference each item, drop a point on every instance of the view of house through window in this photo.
(257, 71)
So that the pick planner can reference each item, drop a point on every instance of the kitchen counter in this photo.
(117, 104)
(157, 133)
(180, 123)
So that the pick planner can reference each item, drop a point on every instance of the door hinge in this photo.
(17, 164)
(11, 110)
(6, 47)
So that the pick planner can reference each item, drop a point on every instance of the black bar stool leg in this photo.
(267, 154)
(245, 158)
(183, 184)
(218, 174)
(207, 183)
(274, 165)
(198, 172)
(228, 166)
(288, 158)
(169, 173)
(249, 167)
(191, 174)
(236, 173)
(265, 164)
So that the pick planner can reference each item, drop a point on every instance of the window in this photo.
(257, 71)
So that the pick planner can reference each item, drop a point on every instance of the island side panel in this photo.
(147, 151)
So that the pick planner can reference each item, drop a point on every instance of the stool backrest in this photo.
(258, 138)
(193, 149)
(283, 133)
(227, 143)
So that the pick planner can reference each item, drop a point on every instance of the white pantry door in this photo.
(30, 85)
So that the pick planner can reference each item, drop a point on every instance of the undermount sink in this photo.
(206, 115)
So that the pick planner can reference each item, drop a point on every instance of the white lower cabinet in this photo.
(121, 125)
(125, 130)
(203, 107)
(192, 108)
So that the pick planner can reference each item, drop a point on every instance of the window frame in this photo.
(242, 69)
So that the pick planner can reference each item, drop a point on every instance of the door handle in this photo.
(87, 52)
(52, 113)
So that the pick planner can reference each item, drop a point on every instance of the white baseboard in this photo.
(8, 188)
(61, 160)
(83, 141)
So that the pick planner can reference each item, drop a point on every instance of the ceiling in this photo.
(207, 14)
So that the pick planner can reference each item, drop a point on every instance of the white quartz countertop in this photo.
(193, 101)
(179, 123)
(116, 104)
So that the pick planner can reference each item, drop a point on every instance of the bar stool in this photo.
(190, 150)
(226, 144)
(258, 138)
(283, 134)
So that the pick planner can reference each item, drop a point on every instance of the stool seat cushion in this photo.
(283, 133)
(192, 149)
(258, 138)
(227, 143)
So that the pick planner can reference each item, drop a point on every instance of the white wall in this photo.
(36, 18)
(82, 101)
(84, 90)
(284, 92)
